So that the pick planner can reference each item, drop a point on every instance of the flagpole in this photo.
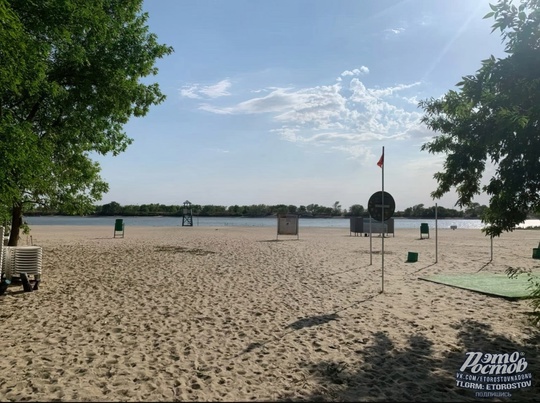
(382, 223)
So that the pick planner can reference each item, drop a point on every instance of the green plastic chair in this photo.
(424, 229)
(119, 227)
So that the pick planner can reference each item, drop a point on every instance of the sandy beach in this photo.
(232, 314)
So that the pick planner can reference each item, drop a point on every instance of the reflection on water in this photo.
(530, 223)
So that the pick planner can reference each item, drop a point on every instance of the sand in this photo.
(232, 314)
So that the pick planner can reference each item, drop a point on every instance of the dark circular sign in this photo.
(375, 206)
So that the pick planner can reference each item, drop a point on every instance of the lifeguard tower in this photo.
(187, 215)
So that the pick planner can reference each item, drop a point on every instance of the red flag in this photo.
(381, 161)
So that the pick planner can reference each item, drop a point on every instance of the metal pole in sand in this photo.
(436, 236)
(370, 243)
(491, 248)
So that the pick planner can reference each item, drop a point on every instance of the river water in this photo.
(252, 222)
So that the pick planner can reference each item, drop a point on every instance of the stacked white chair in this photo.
(8, 264)
(27, 259)
(21, 259)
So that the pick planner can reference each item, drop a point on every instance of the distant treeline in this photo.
(263, 210)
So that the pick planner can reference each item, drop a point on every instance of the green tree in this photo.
(336, 210)
(257, 210)
(418, 210)
(70, 80)
(495, 116)
(280, 209)
(292, 209)
(234, 210)
(356, 210)
(312, 208)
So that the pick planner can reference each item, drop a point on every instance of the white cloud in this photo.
(345, 116)
(217, 90)
(216, 110)
(385, 92)
(321, 107)
(190, 92)
(395, 31)
(422, 132)
(288, 133)
(278, 100)
(197, 91)
(376, 115)
(412, 100)
(355, 72)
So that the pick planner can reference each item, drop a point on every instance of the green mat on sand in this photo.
(492, 284)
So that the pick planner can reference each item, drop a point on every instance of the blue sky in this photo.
(291, 101)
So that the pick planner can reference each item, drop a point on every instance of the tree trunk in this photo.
(16, 223)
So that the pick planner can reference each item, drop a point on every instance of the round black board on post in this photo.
(375, 206)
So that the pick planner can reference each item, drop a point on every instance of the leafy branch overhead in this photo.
(70, 81)
(493, 119)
